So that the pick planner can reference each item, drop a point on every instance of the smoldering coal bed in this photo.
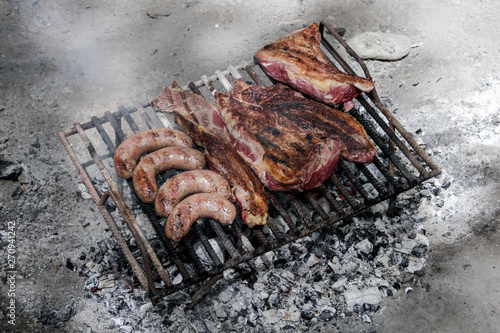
(163, 267)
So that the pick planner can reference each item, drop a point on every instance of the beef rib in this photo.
(298, 61)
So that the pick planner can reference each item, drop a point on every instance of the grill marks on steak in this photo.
(201, 120)
(298, 61)
(315, 118)
(282, 154)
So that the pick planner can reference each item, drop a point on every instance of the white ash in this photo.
(318, 280)
(203, 254)
(322, 278)
(84, 191)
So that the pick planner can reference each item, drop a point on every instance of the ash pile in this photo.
(327, 279)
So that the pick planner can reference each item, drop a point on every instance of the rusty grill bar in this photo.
(399, 165)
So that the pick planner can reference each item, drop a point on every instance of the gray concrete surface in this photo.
(63, 62)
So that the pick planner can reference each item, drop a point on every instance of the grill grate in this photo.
(210, 248)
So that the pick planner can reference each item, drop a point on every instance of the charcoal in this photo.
(84, 193)
(280, 263)
(9, 170)
(327, 314)
(288, 327)
(71, 265)
(356, 296)
(226, 295)
(404, 262)
(252, 319)
(415, 264)
(272, 316)
(55, 317)
(313, 260)
(348, 266)
(126, 328)
(118, 321)
(311, 282)
(18, 191)
(340, 284)
(318, 276)
(426, 193)
(419, 250)
(307, 315)
(365, 247)
(292, 314)
(98, 257)
(92, 282)
(419, 273)
(219, 310)
(274, 299)
(284, 287)
(145, 308)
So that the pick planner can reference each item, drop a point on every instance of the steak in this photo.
(316, 118)
(283, 155)
(201, 120)
(298, 61)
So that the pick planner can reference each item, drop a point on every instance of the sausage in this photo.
(189, 182)
(129, 151)
(151, 165)
(197, 206)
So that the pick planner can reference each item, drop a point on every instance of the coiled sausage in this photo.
(196, 206)
(189, 182)
(180, 158)
(129, 151)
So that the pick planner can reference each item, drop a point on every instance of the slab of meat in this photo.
(283, 155)
(298, 61)
(202, 122)
(316, 118)
(191, 106)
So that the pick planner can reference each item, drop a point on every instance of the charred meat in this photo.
(316, 118)
(283, 155)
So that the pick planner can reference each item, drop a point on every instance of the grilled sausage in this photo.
(159, 161)
(129, 151)
(197, 206)
(180, 186)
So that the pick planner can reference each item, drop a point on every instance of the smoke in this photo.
(97, 51)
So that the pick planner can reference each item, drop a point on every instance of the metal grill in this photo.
(209, 248)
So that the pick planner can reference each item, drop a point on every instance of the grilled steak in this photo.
(282, 154)
(298, 61)
(202, 122)
(316, 118)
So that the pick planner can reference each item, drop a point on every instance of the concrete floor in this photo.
(63, 62)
